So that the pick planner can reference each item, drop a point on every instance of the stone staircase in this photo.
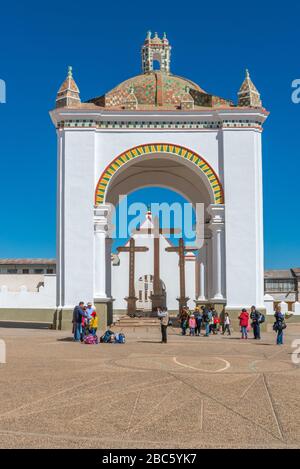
(126, 323)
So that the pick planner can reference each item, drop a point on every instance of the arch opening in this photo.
(172, 165)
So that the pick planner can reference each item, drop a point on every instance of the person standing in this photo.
(244, 323)
(207, 316)
(255, 318)
(93, 324)
(279, 325)
(226, 327)
(164, 321)
(77, 319)
(184, 316)
(198, 318)
(192, 324)
(89, 311)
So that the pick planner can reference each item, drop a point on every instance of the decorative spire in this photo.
(187, 101)
(130, 102)
(68, 93)
(156, 49)
(248, 95)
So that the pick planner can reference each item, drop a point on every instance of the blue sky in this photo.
(212, 45)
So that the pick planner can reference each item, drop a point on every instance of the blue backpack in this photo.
(120, 338)
(106, 337)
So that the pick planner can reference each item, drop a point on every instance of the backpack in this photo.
(120, 338)
(261, 318)
(279, 326)
(91, 340)
(106, 337)
(205, 317)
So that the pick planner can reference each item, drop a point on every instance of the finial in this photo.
(155, 35)
(247, 73)
(70, 74)
(149, 34)
(165, 36)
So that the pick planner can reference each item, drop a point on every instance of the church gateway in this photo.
(159, 129)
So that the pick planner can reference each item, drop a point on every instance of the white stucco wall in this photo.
(44, 298)
(243, 218)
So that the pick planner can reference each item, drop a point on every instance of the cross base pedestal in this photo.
(158, 301)
(182, 302)
(131, 304)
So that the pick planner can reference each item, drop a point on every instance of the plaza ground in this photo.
(190, 393)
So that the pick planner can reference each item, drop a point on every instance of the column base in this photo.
(182, 302)
(158, 301)
(131, 304)
(104, 308)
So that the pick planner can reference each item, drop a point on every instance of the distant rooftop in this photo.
(282, 273)
(27, 261)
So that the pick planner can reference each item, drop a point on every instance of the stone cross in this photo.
(157, 298)
(181, 249)
(132, 249)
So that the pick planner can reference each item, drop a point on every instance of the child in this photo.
(227, 324)
(192, 324)
(244, 323)
(93, 323)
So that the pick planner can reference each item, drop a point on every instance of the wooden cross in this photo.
(132, 249)
(157, 298)
(181, 249)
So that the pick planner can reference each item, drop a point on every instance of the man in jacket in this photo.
(77, 318)
(255, 318)
(164, 321)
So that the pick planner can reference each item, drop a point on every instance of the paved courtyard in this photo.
(191, 392)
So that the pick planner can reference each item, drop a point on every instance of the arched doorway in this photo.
(187, 173)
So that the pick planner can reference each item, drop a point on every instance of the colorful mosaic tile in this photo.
(159, 148)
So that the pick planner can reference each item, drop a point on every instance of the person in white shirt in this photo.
(227, 324)
(164, 321)
(89, 310)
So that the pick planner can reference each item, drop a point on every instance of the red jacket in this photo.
(244, 319)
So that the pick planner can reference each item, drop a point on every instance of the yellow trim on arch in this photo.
(177, 150)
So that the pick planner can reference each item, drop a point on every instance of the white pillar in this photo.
(201, 296)
(296, 308)
(218, 250)
(101, 258)
(269, 304)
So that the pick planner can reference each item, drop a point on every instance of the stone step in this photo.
(126, 321)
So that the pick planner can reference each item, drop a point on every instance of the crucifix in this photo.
(181, 249)
(132, 249)
(157, 297)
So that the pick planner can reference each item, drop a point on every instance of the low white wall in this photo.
(14, 282)
(23, 298)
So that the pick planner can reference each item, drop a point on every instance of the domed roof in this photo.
(158, 89)
(154, 89)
